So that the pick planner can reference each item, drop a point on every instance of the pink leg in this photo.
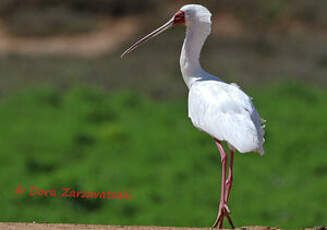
(229, 181)
(223, 208)
(223, 157)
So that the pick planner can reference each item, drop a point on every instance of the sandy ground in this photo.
(36, 226)
(110, 34)
(104, 39)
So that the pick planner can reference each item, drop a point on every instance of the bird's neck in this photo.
(196, 35)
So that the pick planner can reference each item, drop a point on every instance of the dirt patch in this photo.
(35, 226)
(105, 38)
(228, 25)
(111, 34)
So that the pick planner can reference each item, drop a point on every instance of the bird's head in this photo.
(192, 14)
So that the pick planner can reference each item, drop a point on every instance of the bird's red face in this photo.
(179, 18)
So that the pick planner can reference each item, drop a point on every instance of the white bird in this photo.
(222, 110)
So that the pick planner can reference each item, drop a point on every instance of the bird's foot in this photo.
(224, 211)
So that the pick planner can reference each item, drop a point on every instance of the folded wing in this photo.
(226, 113)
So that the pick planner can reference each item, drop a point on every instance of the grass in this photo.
(90, 140)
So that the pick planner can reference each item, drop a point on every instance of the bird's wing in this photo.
(226, 113)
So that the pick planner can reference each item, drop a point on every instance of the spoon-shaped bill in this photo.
(153, 34)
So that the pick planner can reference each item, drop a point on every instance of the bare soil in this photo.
(37, 226)
(105, 38)
(110, 34)
(45, 226)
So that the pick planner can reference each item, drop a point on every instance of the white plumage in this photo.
(222, 110)
(226, 113)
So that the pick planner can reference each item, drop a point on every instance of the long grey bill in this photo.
(149, 36)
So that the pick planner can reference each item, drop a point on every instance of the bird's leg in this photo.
(223, 208)
(229, 181)
(223, 157)
(220, 217)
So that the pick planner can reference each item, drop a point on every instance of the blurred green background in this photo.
(72, 114)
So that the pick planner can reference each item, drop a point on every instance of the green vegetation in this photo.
(89, 140)
(101, 137)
